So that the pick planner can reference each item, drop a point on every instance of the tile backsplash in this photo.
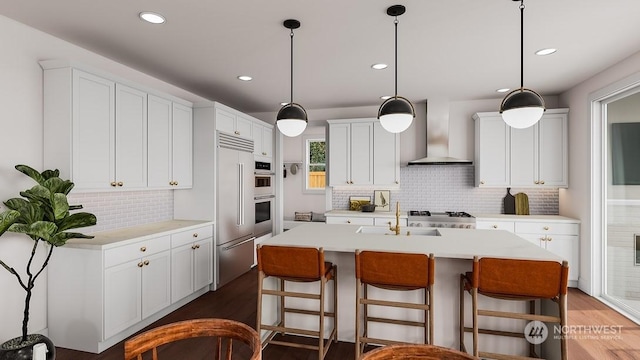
(451, 188)
(121, 209)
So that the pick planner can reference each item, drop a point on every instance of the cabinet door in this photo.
(386, 156)
(159, 142)
(339, 159)
(225, 121)
(524, 156)
(156, 283)
(131, 137)
(203, 264)
(257, 139)
(181, 272)
(243, 127)
(553, 164)
(362, 153)
(182, 145)
(267, 141)
(565, 246)
(122, 297)
(492, 152)
(93, 154)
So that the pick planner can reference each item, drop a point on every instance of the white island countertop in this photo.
(452, 243)
(106, 239)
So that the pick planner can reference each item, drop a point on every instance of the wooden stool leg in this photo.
(430, 315)
(259, 309)
(282, 302)
(474, 305)
(462, 347)
(358, 287)
(532, 310)
(323, 283)
(562, 304)
(335, 302)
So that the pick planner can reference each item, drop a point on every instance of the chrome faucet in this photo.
(396, 228)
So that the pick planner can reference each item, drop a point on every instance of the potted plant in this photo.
(43, 214)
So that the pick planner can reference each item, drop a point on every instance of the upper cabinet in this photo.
(531, 157)
(262, 139)
(103, 134)
(170, 144)
(229, 121)
(361, 152)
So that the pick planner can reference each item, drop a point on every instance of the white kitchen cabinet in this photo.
(361, 218)
(121, 281)
(262, 140)
(533, 157)
(170, 128)
(492, 153)
(558, 234)
(361, 152)
(96, 130)
(138, 286)
(191, 261)
(229, 121)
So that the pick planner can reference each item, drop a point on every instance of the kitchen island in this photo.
(454, 250)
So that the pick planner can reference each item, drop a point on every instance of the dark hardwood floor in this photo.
(237, 301)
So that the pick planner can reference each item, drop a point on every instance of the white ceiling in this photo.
(453, 49)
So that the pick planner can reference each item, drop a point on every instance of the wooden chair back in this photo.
(415, 352)
(224, 330)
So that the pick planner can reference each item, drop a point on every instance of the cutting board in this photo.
(522, 204)
(509, 203)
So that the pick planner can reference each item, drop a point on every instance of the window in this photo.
(315, 164)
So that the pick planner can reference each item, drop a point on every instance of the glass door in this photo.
(622, 213)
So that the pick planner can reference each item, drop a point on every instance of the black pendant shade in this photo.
(521, 98)
(292, 111)
(396, 105)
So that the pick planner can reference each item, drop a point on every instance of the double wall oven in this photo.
(264, 196)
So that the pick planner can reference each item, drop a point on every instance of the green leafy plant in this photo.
(43, 214)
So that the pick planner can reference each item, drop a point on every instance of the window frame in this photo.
(307, 148)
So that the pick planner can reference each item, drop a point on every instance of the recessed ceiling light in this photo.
(152, 17)
(503, 90)
(547, 51)
(385, 97)
(245, 78)
(379, 66)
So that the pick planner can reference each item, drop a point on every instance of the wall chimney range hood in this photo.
(437, 139)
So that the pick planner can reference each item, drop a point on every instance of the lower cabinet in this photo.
(134, 290)
(561, 237)
(105, 289)
(191, 262)
(372, 220)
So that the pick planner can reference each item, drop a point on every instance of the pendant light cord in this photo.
(291, 67)
(521, 45)
(395, 22)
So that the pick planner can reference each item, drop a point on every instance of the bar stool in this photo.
(297, 264)
(416, 352)
(392, 271)
(514, 280)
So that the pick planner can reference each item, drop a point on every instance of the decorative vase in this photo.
(14, 349)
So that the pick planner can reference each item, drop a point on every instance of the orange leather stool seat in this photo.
(395, 272)
(514, 280)
(297, 264)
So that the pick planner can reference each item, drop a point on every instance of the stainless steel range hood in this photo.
(437, 143)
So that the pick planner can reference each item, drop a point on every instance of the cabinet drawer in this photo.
(385, 221)
(496, 225)
(547, 228)
(136, 250)
(189, 236)
(349, 220)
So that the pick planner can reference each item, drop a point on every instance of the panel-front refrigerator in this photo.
(235, 213)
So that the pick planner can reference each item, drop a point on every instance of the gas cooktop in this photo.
(457, 214)
(448, 219)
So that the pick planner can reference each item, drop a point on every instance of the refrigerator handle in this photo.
(239, 197)
(241, 194)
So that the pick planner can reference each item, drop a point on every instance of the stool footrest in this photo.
(282, 329)
(521, 316)
(370, 340)
(496, 332)
(291, 294)
(396, 321)
(308, 312)
(394, 304)
(497, 356)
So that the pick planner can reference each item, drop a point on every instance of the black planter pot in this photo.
(16, 350)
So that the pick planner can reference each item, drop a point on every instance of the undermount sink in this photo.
(403, 231)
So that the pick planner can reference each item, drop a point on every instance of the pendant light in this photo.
(396, 113)
(292, 117)
(522, 107)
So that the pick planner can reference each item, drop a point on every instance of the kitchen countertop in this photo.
(453, 243)
(533, 218)
(111, 238)
(379, 214)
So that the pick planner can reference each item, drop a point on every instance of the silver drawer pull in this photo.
(195, 234)
(143, 249)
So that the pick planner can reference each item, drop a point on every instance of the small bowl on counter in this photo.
(368, 207)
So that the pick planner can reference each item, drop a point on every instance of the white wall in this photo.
(22, 134)
(576, 201)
